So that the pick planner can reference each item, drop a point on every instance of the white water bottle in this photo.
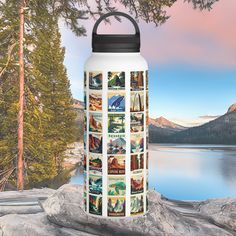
(116, 125)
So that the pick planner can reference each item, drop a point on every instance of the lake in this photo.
(190, 172)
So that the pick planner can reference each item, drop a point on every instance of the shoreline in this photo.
(211, 147)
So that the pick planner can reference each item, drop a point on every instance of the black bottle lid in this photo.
(116, 42)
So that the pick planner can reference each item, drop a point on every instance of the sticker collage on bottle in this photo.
(116, 149)
(137, 99)
(95, 129)
(116, 146)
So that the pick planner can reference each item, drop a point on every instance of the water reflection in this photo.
(193, 172)
(228, 166)
(190, 172)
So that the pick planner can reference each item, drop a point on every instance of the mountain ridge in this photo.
(162, 122)
(232, 108)
(221, 130)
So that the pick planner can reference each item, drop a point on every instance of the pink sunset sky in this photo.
(204, 41)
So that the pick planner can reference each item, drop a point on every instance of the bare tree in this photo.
(20, 163)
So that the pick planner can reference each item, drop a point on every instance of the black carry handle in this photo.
(116, 13)
(116, 42)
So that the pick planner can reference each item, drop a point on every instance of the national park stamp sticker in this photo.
(116, 165)
(95, 184)
(136, 81)
(136, 122)
(85, 80)
(95, 143)
(85, 161)
(116, 186)
(95, 101)
(116, 144)
(137, 163)
(137, 184)
(116, 80)
(137, 205)
(95, 205)
(116, 206)
(116, 123)
(95, 122)
(95, 80)
(116, 101)
(95, 163)
(136, 101)
(136, 142)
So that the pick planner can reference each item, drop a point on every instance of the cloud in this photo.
(195, 121)
(209, 117)
(191, 36)
(188, 122)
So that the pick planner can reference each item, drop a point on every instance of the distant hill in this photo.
(160, 129)
(219, 131)
(162, 122)
(77, 104)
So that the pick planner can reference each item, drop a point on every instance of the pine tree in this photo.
(9, 29)
(54, 97)
(48, 117)
(49, 121)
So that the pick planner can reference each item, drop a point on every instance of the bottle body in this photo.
(116, 134)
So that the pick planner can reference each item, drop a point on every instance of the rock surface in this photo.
(33, 225)
(62, 214)
(73, 155)
(232, 108)
(221, 212)
(26, 202)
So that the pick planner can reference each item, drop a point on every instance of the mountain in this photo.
(164, 123)
(160, 129)
(219, 131)
(77, 104)
(232, 108)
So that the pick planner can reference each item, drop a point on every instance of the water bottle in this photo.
(116, 125)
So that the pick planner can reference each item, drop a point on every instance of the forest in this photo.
(37, 119)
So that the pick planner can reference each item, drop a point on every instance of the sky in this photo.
(191, 57)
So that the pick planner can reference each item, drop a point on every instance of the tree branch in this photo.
(9, 56)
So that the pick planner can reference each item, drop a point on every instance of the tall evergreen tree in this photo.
(9, 29)
(53, 93)
(49, 119)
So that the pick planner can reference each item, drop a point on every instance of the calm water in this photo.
(190, 172)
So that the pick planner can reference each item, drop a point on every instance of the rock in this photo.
(222, 211)
(32, 193)
(26, 225)
(25, 202)
(65, 208)
(6, 210)
(232, 108)
(60, 213)
(33, 225)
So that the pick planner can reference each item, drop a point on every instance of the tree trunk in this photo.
(20, 163)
